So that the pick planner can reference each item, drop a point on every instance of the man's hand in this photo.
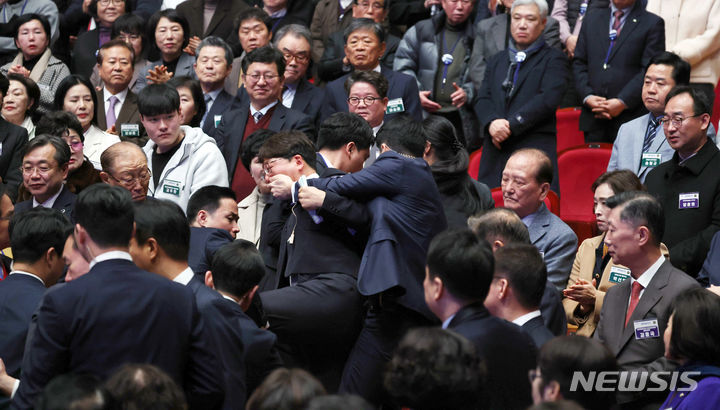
(596, 104)
(583, 292)
(280, 186)
(311, 198)
(112, 130)
(499, 131)
(570, 44)
(86, 6)
(6, 381)
(614, 107)
(459, 97)
(158, 75)
(428, 104)
(192, 45)
(18, 69)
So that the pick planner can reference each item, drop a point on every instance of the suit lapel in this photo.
(222, 10)
(631, 22)
(277, 121)
(537, 228)
(234, 137)
(302, 98)
(526, 70)
(650, 297)
(101, 121)
(128, 109)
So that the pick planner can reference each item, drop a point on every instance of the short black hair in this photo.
(524, 268)
(364, 24)
(251, 146)
(287, 144)
(237, 267)
(72, 391)
(208, 199)
(57, 123)
(342, 128)
(4, 84)
(285, 389)
(106, 213)
(640, 208)
(252, 13)
(62, 150)
(33, 232)
(173, 16)
(375, 79)
(215, 41)
(64, 87)
(129, 23)
(197, 95)
(31, 89)
(25, 18)
(116, 42)
(680, 67)
(266, 55)
(164, 221)
(701, 104)
(499, 223)
(403, 135)
(696, 318)
(463, 262)
(158, 99)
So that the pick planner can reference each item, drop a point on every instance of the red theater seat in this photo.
(568, 128)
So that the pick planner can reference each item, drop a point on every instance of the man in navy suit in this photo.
(44, 168)
(364, 45)
(406, 211)
(517, 289)
(608, 68)
(213, 217)
(213, 62)
(37, 241)
(458, 275)
(160, 245)
(118, 313)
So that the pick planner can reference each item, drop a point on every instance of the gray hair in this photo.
(297, 31)
(214, 41)
(366, 24)
(541, 5)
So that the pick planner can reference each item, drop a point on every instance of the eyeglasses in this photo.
(366, 5)
(355, 101)
(116, 2)
(533, 374)
(300, 58)
(268, 77)
(40, 169)
(269, 164)
(129, 180)
(676, 121)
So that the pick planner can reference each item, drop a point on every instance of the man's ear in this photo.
(50, 257)
(552, 392)
(209, 280)
(643, 235)
(349, 148)
(105, 177)
(247, 298)
(153, 248)
(201, 217)
(544, 190)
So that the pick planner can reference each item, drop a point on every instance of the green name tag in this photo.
(217, 119)
(129, 130)
(651, 160)
(618, 274)
(171, 187)
(395, 106)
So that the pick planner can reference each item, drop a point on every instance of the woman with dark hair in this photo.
(168, 33)
(75, 95)
(593, 273)
(35, 60)
(692, 337)
(562, 357)
(105, 12)
(131, 29)
(192, 103)
(20, 103)
(461, 195)
(285, 389)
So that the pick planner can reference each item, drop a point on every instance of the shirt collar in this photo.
(264, 109)
(327, 161)
(377, 69)
(279, 13)
(50, 201)
(214, 93)
(22, 272)
(447, 321)
(120, 96)
(526, 317)
(625, 11)
(184, 277)
(110, 255)
(645, 278)
(376, 129)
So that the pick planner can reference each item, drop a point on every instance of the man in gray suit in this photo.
(635, 312)
(525, 184)
(492, 36)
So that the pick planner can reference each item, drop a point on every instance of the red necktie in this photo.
(616, 24)
(634, 299)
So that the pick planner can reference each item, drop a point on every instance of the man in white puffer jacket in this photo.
(181, 159)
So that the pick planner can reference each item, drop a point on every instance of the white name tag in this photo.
(217, 119)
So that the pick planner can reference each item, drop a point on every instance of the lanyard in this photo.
(447, 58)
(583, 8)
(613, 37)
(22, 11)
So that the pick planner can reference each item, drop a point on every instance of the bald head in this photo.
(125, 165)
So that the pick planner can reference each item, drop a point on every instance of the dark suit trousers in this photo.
(385, 324)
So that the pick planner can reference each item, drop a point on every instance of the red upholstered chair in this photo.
(568, 128)
(551, 200)
(474, 167)
(578, 168)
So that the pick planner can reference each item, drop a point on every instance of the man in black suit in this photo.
(37, 242)
(213, 63)
(313, 305)
(458, 275)
(12, 139)
(213, 217)
(609, 68)
(101, 321)
(517, 288)
(264, 70)
(44, 168)
(220, 25)
(160, 245)
(364, 45)
(521, 90)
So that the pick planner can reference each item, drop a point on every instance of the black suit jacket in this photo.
(221, 23)
(537, 330)
(641, 38)
(83, 55)
(509, 354)
(12, 143)
(204, 242)
(129, 114)
(100, 321)
(222, 104)
(330, 66)
(65, 203)
(400, 85)
(308, 99)
(229, 134)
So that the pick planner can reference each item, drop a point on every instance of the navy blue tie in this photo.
(650, 133)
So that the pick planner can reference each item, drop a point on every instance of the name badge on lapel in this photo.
(217, 119)
(129, 130)
(689, 200)
(651, 160)
(395, 106)
(171, 187)
(618, 274)
(646, 329)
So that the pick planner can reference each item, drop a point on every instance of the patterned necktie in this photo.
(258, 115)
(634, 299)
(110, 117)
(616, 24)
(650, 133)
